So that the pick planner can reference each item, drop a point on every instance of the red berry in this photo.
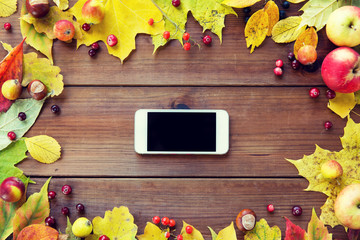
(156, 220)
(55, 109)
(7, 26)
(104, 237)
(188, 229)
(65, 211)
(86, 27)
(66, 189)
(328, 125)
(279, 63)
(330, 94)
(92, 52)
(95, 46)
(166, 35)
(186, 36)
(207, 40)
(314, 92)
(187, 46)
(295, 64)
(22, 116)
(172, 223)
(296, 211)
(50, 221)
(112, 40)
(11, 136)
(51, 194)
(151, 21)
(167, 234)
(270, 208)
(278, 71)
(291, 56)
(165, 221)
(175, 3)
(179, 237)
(80, 208)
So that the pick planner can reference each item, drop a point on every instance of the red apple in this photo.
(64, 30)
(12, 189)
(340, 70)
(93, 11)
(307, 55)
(343, 26)
(347, 206)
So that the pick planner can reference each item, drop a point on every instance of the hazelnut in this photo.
(37, 89)
(38, 8)
(246, 220)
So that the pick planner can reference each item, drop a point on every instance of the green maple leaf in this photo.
(310, 168)
(209, 13)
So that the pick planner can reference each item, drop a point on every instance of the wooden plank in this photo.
(95, 130)
(225, 65)
(200, 202)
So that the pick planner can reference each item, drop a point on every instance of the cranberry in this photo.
(207, 40)
(65, 211)
(172, 223)
(297, 211)
(55, 108)
(66, 189)
(95, 46)
(179, 237)
(330, 94)
(270, 208)
(80, 208)
(11, 136)
(104, 237)
(165, 221)
(151, 21)
(112, 40)
(187, 46)
(22, 116)
(167, 234)
(50, 221)
(51, 194)
(291, 56)
(295, 64)
(279, 63)
(156, 219)
(278, 71)
(328, 125)
(175, 3)
(86, 27)
(314, 92)
(92, 52)
(7, 26)
(166, 35)
(188, 229)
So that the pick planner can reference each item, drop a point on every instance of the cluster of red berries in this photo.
(94, 48)
(278, 69)
(296, 210)
(166, 222)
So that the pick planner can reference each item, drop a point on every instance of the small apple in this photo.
(343, 26)
(37, 89)
(307, 55)
(11, 89)
(64, 30)
(93, 11)
(347, 206)
(331, 169)
(340, 70)
(12, 189)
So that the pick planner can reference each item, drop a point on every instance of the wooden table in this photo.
(271, 119)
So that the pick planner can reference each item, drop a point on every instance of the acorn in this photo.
(38, 8)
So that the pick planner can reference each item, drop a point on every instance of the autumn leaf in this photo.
(310, 168)
(8, 7)
(227, 233)
(62, 4)
(307, 37)
(69, 233)
(342, 104)
(46, 24)
(357, 97)
(210, 14)
(287, 30)
(294, 232)
(123, 18)
(239, 3)
(262, 231)
(316, 229)
(296, 1)
(10, 68)
(33, 211)
(256, 29)
(152, 232)
(195, 235)
(39, 41)
(43, 148)
(9, 121)
(273, 13)
(38, 231)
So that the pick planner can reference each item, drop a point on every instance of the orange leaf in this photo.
(38, 232)
(307, 37)
(273, 13)
(10, 68)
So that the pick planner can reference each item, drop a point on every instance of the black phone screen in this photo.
(181, 132)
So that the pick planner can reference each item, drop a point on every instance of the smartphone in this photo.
(181, 131)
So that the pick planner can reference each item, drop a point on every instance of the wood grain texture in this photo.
(211, 202)
(95, 130)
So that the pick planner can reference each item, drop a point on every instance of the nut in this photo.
(37, 89)
(38, 8)
(246, 220)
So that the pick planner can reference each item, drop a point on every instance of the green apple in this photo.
(343, 26)
(347, 206)
(331, 169)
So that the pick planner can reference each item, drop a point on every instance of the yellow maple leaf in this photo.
(152, 232)
(310, 168)
(43, 148)
(273, 13)
(239, 3)
(256, 29)
(46, 24)
(307, 37)
(195, 235)
(227, 233)
(262, 231)
(8, 7)
(342, 104)
(123, 18)
(287, 30)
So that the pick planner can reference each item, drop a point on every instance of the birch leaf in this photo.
(239, 3)
(256, 29)
(43, 148)
(287, 30)
(273, 13)
(342, 104)
(8, 7)
(308, 37)
(152, 232)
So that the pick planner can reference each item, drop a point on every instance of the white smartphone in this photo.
(181, 131)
